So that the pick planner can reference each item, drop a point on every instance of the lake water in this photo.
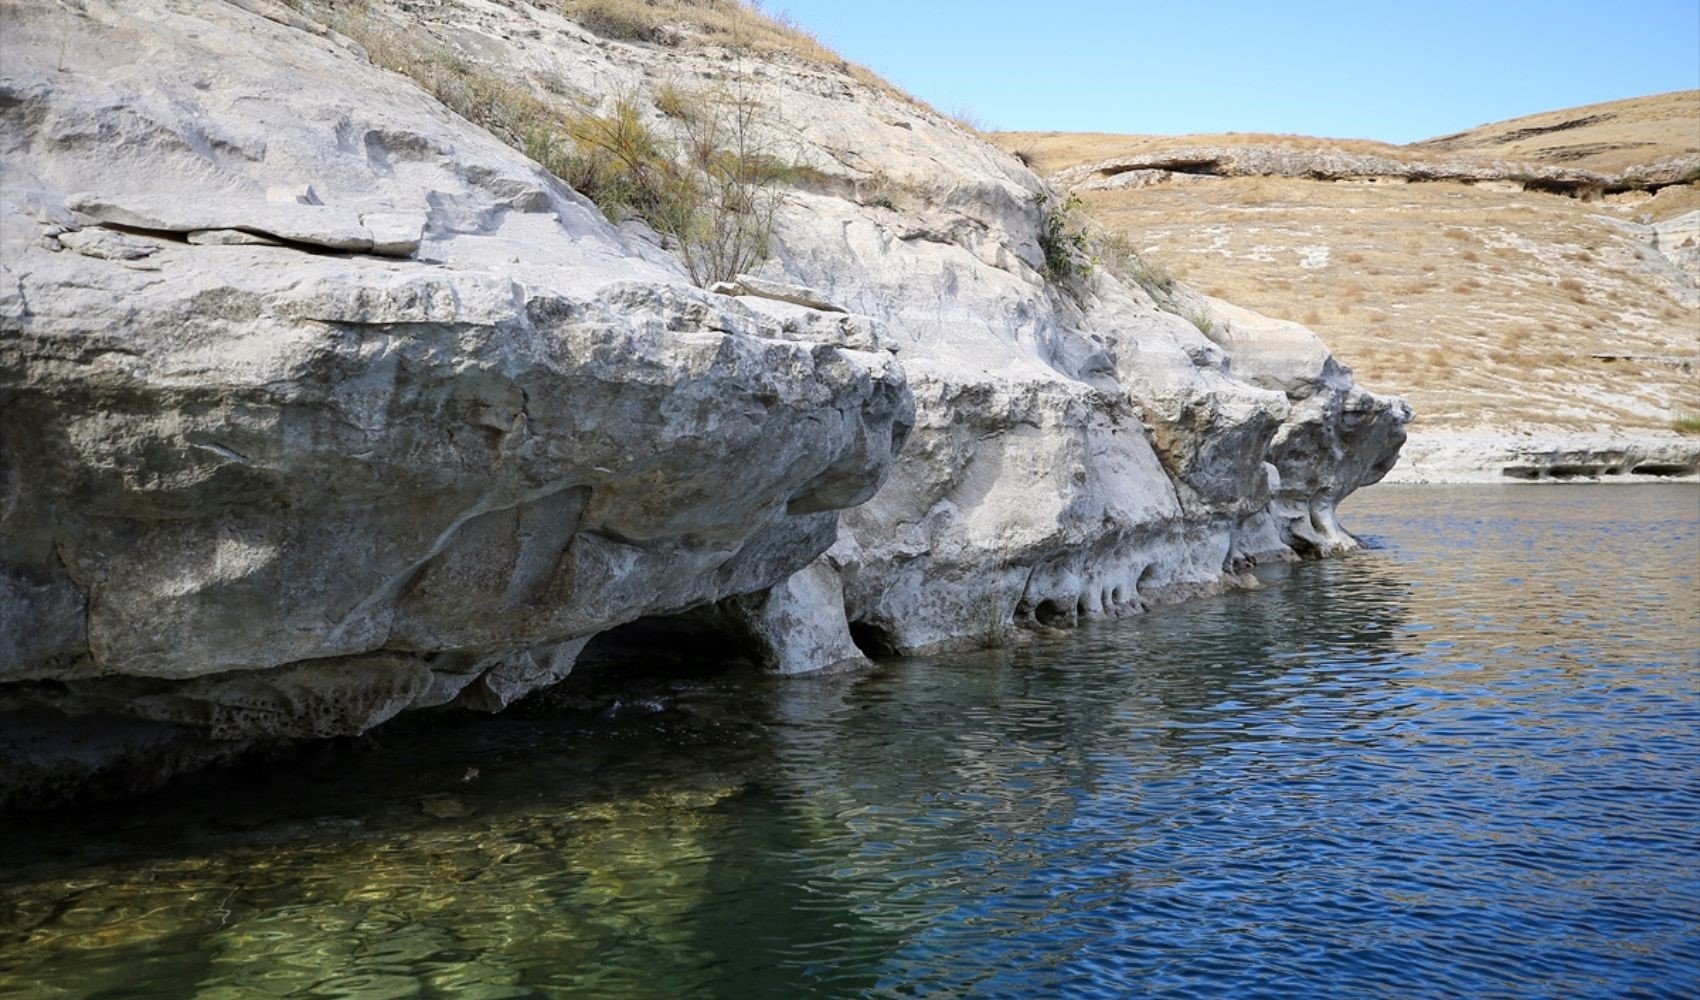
(1464, 763)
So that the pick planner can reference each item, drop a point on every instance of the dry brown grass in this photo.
(1053, 151)
(1668, 203)
(1609, 137)
(710, 22)
(1625, 134)
(1399, 287)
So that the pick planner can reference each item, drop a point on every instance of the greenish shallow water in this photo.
(1465, 763)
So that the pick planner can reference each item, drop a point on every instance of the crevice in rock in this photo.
(1662, 470)
(692, 643)
(873, 640)
(1053, 613)
(175, 236)
(1143, 585)
(1196, 166)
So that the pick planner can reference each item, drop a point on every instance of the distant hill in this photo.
(1538, 277)
(1608, 137)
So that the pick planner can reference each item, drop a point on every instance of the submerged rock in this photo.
(395, 419)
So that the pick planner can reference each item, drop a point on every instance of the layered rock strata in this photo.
(1602, 457)
(1325, 163)
(319, 403)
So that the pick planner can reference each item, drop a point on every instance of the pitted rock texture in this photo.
(329, 405)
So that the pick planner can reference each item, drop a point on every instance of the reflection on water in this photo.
(1463, 763)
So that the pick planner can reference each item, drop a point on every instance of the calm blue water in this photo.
(1465, 763)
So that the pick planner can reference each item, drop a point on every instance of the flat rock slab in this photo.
(105, 244)
(762, 288)
(388, 234)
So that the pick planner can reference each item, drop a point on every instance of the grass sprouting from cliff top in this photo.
(711, 188)
(1686, 425)
(714, 22)
(696, 172)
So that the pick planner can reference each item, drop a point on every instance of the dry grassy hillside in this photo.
(1050, 152)
(1608, 137)
(1488, 305)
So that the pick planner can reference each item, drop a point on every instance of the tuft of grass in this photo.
(676, 102)
(709, 187)
(713, 191)
(621, 21)
(1686, 425)
(968, 120)
(1201, 318)
(1115, 254)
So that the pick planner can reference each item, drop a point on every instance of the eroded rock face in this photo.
(1500, 457)
(329, 405)
(1329, 163)
(258, 488)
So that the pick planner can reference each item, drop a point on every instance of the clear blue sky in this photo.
(1396, 71)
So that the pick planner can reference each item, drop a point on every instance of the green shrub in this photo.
(1062, 238)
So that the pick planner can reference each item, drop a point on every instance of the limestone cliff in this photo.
(319, 402)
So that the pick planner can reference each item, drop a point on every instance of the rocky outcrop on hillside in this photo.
(1678, 240)
(1598, 457)
(319, 403)
(1325, 163)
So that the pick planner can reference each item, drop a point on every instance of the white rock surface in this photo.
(455, 424)
(1679, 240)
(798, 626)
(1546, 457)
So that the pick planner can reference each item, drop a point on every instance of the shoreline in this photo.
(1473, 457)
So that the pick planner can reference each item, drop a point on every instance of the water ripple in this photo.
(1463, 763)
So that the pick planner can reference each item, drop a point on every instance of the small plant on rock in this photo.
(1201, 318)
(1062, 238)
(1115, 254)
(712, 190)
